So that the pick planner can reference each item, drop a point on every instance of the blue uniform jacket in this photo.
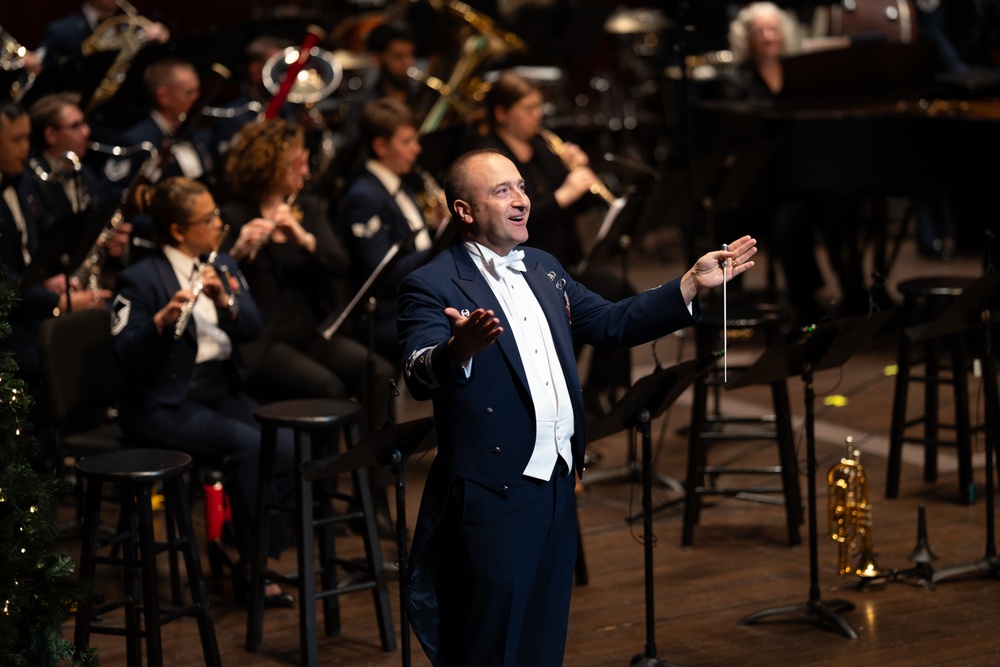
(157, 368)
(485, 423)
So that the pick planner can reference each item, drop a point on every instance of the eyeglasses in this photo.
(207, 220)
(73, 126)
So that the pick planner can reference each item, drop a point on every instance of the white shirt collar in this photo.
(389, 180)
(181, 263)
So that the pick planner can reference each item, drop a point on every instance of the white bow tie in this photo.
(513, 261)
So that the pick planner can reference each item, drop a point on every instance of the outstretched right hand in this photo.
(471, 334)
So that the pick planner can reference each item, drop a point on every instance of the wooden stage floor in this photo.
(740, 561)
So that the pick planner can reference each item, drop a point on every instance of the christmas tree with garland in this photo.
(37, 587)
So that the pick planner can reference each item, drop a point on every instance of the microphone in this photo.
(633, 165)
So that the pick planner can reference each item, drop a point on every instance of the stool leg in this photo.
(91, 522)
(175, 573)
(147, 566)
(932, 389)
(963, 430)
(898, 423)
(373, 552)
(786, 455)
(323, 491)
(179, 510)
(130, 558)
(255, 608)
(306, 555)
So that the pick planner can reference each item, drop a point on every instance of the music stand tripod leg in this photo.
(825, 612)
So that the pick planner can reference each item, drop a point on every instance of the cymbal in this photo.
(636, 21)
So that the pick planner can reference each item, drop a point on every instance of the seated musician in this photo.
(760, 35)
(292, 259)
(63, 38)
(183, 381)
(254, 95)
(558, 195)
(22, 225)
(379, 210)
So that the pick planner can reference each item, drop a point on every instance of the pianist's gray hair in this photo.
(739, 30)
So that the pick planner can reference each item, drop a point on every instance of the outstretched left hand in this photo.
(719, 266)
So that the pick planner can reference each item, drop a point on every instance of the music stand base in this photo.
(643, 660)
(987, 567)
(824, 611)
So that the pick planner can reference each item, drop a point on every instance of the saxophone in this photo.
(187, 310)
(850, 515)
(558, 147)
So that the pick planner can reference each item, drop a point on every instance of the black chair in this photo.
(82, 384)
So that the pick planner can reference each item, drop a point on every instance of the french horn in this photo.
(12, 55)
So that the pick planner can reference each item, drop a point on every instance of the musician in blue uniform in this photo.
(183, 385)
(487, 328)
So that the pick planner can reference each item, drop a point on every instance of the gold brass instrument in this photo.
(850, 515)
(187, 310)
(431, 196)
(124, 33)
(482, 42)
(557, 146)
(12, 59)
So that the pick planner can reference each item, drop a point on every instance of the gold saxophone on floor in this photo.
(558, 146)
(850, 515)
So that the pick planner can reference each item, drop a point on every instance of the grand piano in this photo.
(863, 122)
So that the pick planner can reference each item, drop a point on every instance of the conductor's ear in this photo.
(463, 211)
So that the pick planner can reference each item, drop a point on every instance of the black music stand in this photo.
(644, 401)
(824, 346)
(389, 446)
(973, 308)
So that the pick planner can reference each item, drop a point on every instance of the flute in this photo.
(187, 310)
(266, 236)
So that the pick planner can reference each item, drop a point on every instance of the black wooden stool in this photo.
(134, 472)
(313, 514)
(707, 429)
(923, 300)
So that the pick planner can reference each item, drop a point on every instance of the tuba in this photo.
(850, 515)
(481, 42)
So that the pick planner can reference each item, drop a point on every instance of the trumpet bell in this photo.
(320, 76)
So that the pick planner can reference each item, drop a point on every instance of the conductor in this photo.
(487, 329)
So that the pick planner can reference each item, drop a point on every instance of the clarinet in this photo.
(187, 310)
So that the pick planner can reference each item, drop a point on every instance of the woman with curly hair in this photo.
(760, 35)
(292, 260)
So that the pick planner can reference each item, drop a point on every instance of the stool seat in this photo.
(934, 286)
(308, 413)
(134, 464)
(709, 428)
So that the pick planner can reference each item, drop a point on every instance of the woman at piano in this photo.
(760, 35)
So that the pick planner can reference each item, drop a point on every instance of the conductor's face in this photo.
(497, 209)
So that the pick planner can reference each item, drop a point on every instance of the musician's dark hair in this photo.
(11, 111)
(381, 36)
(258, 158)
(456, 180)
(46, 112)
(167, 203)
(505, 92)
(382, 117)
